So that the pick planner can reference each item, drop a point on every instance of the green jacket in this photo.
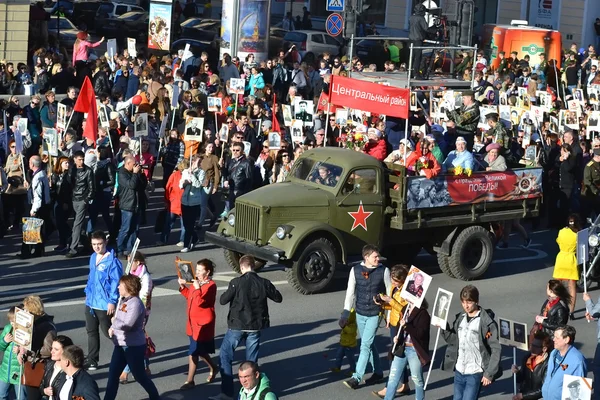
(10, 368)
(465, 118)
(263, 385)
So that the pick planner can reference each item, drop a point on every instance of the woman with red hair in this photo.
(80, 51)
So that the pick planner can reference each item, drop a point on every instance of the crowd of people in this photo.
(517, 115)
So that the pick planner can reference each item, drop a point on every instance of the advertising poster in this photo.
(159, 26)
(449, 190)
(227, 16)
(254, 25)
(544, 13)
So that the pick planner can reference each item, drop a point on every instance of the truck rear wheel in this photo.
(444, 263)
(471, 254)
(313, 268)
(233, 259)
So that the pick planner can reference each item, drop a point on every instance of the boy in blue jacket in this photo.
(10, 370)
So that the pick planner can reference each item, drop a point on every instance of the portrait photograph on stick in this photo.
(576, 388)
(193, 129)
(441, 307)
(415, 287)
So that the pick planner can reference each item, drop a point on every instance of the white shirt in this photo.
(66, 389)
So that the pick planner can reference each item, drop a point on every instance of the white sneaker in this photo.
(185, 250)
(180, 244)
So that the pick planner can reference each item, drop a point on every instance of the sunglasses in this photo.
(285, 155)
(236, 151)
(230, 122)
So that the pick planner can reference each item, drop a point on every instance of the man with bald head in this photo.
(38, 195)
(130, 192)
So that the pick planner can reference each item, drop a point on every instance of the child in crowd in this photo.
(347, 344)
(10, 370)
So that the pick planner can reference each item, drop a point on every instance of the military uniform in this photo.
(466, 120)
(464, 64)
(499, 135)
(591, 187)
(503, 67)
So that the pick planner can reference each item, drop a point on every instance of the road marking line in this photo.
(157, 292)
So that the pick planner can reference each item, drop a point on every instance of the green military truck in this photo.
(335, 200)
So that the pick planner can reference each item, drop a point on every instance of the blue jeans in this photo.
(100, 205)
(169, 222)
(367, 327)
(467, 387)
(398, 370)
(128, 231)
(349, 352)
(230, 342)
(5, 390)
(134, 357)
(571, 88)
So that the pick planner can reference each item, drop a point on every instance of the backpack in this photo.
(264, 393)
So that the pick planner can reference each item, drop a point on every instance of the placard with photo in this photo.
(576, 388)
(274, 140)
(413, 101)
(131, 47)
(503, 99)
(513, 334)
(286, 109)
(592, 94)
(578, 95)
(61, 116)
(215, 104)
(415, 286)
(193, 129)
(237, 86)
(103, 117)
(141, 125)
(304, 111)
(256, 124)
(224, 133)
(441, 307)
(185, 270)
(298, 132)
(51, 139)
(22, 126)
(247, 148)
(341, 116)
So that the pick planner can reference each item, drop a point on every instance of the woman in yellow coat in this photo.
(565, 267)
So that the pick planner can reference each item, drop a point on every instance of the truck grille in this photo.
(247, 220)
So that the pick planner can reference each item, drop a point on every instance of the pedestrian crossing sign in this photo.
(336, 5)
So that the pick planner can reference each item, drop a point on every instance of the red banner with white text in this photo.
(367, 96)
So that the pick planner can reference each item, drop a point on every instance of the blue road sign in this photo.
(336, 5)
(334, 24)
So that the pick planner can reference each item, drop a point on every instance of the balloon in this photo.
(137, 100)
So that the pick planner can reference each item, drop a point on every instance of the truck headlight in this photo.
(231, 220)
(280, 233)
(593, 240)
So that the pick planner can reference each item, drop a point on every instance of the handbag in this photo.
(150, 347)
(33, 373)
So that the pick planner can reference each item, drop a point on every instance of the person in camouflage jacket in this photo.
(465, 119)
(497, 132)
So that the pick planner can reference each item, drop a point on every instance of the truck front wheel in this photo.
(233, 259)
(471, 253)
(444, 263)
(313, 268)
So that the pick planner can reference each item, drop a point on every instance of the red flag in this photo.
(275, 123)
(86, 103)
(324, 101)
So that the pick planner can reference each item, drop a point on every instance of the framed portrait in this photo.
(441, 307)
(503, 99)
(298, 132)
(256, 124)
(51, 139)
(215, 104)
(103, 116)
(304, 111)
(237, 86)
(504, 331)
(141, 125)
(554, 124)
(413, 101)
(274, 140)
(22, 125)
(531, 153)
(592, 95)
(578, 95)
(341, 116)
(185, 270)
(576, 388)
(520, 335)
(61, 116)
(193, 129)
(224, 133)
(286, 109)
(247, 148)
(415, 286)
(515, 115)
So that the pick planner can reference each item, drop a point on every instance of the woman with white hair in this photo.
(459, 161)
(399, 156)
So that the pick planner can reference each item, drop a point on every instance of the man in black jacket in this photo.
(418, 32)
(248, 314)
(131, 185)
(238, 176)
(105, 178)
(78, 384)
(81, 178)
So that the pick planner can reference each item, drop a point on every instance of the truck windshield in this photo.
(318, 172)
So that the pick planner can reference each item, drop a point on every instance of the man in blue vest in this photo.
(365, 283)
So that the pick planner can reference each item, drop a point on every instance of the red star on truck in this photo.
(360, 217)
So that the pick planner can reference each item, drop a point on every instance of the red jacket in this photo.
(200, 311)
(377, 150)
(173, 192)
(432, 167)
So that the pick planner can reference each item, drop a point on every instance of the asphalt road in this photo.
(296, 352)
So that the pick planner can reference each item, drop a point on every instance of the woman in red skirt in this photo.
(201, 296)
